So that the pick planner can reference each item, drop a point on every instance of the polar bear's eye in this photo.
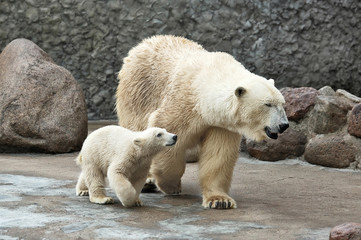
(268, 105)
(159, 135)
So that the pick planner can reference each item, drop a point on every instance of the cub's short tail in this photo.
(78, 160)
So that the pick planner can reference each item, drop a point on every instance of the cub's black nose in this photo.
(175, 137)
(283, 127)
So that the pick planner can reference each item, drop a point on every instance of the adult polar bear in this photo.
(207, 99)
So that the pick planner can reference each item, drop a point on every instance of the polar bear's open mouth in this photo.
(270, 134)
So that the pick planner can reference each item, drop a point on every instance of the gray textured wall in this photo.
(298, 43)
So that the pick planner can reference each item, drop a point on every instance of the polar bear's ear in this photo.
(139, 142)
(239, 91)
(272, 81)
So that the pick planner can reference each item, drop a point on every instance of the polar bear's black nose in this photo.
(283, 127)
(175, 138)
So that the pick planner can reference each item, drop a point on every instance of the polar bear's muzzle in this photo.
(172, 141)
(274, 134)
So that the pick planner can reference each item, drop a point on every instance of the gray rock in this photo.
(32, 14)
(42, 108)
(330, 113)
(354, 122)
(330, 150)
(352, 98)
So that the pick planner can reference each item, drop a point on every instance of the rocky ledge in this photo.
(325, 129)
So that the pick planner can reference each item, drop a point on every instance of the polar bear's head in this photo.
(239, 100)
(155, 139)
(258, 109)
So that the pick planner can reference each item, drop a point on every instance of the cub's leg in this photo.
(138, 185)
(219, 153)
(81, 188)
(123, 187)
(95, 180)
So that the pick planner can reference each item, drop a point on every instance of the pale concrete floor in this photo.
(283, 200)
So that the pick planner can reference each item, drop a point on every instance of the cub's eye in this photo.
(159, 135)
(268, 105)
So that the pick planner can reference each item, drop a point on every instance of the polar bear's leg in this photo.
(167, 169)
(95, 180)
(123, 188)
(81, 188)
(219, 153)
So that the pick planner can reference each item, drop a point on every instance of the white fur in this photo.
(122, 155)
(222, 80)
(172, 82)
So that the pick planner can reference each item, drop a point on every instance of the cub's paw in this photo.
(129, 204)
(219, 202)
(101, 200)
(82, 192)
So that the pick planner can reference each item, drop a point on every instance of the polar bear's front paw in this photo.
(219, 202)
(101, 200)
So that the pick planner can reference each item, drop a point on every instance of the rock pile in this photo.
(42, 107)
(325, 129)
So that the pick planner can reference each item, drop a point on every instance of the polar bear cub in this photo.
(124, 157)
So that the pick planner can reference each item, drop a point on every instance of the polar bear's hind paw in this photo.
(83, 193)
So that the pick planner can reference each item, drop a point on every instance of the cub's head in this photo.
(155, 139)
(258, 109)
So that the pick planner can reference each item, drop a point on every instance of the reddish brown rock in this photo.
(298, 101)
(346, 231)
(289, 144)
(330, 151)
(42, 107)
(354, 122)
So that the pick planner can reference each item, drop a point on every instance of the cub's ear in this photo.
(272, 81)
(139, 142)
(240, 91)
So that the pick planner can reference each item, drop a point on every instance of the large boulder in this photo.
(331, 150)
(289, 144)
(330, 112)
(42, 107)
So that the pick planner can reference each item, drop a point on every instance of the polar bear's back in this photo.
(103, 144)
(144, 79)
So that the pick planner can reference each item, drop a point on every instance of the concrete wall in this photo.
(296, 42)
